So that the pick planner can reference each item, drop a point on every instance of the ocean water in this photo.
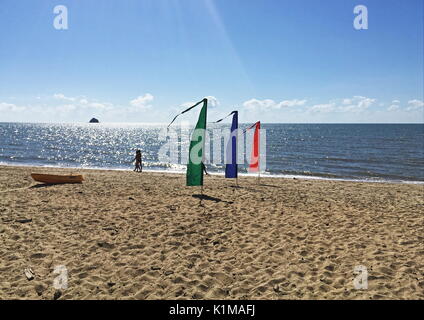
(365, 152)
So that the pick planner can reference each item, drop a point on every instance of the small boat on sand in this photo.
(56, 179)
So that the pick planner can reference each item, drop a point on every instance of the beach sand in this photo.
(123, 235)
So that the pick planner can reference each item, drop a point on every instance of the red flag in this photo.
(254, 160)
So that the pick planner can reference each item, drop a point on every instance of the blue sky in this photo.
(273, 60)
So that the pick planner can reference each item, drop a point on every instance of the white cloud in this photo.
(212, 101)
(415, 105)
(255, 104)
(357, 104)
(58, 96)
(269, 104)
(394, 106)
(60, 107)
(292, 103)
(61, 96)
(329, 107)
(99, 106)
(10, 107)
(142, 102)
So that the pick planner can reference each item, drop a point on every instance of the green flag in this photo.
(196, 150)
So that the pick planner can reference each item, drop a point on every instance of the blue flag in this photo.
(231, 165)
(231, 149)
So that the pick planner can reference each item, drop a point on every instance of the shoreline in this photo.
(244, 175)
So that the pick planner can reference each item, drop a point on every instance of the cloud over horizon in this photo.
(269, 104)
(62, 108)
(142, 102)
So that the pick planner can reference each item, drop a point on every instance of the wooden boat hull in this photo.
(56, 179)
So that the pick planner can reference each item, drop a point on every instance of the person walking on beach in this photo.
(137, 159)
(204, 169)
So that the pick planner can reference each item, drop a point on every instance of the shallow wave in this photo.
(253, 175)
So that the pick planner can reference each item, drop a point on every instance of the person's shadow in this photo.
(202, 197)
(206, 197)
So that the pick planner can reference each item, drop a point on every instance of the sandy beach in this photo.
(123, 235)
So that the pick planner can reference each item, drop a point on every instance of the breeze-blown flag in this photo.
(195, 164)
(231, 151)
(254, 160)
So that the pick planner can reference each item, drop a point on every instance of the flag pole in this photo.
(259, 168)
(259, 155)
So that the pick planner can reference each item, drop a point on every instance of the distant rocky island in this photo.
(94, 120)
